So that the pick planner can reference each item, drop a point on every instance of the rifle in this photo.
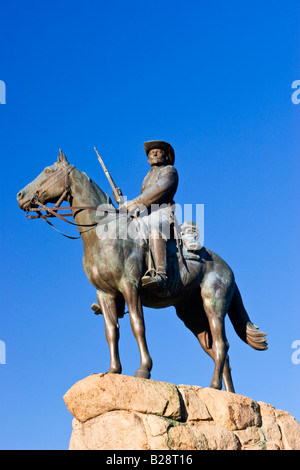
(117, 193)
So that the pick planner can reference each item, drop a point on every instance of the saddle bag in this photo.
(189, 234)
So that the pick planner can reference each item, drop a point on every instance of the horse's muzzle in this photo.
(24, 202)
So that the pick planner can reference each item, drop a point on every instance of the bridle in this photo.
(53, 211)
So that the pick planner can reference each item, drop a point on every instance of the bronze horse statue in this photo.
(202, 290)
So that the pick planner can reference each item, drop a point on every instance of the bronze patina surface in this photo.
(202, 287)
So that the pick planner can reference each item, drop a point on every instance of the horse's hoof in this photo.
(113, 370)
(216, 385)
(143, 373)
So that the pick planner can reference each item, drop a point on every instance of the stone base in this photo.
(118, 412)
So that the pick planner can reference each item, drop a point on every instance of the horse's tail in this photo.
(245, 329)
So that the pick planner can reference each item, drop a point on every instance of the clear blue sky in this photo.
(214, 79)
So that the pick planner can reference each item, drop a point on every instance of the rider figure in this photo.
(157, 193)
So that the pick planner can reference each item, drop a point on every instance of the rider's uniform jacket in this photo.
(157, 194)
(159, 186)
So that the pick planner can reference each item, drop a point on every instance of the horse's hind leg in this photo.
(227, 378)
(108, 307)
(205, 340)
(135, 308)
(215, 304)
(195, 319)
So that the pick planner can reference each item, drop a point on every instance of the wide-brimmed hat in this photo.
(160, 144)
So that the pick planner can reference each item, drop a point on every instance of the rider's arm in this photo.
(162, 190)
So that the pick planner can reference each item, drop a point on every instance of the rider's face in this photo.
(157, 157)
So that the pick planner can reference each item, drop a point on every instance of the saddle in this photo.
(185, 247)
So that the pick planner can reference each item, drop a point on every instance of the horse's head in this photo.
(49, 186)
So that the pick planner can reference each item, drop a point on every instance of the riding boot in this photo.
(157, 281)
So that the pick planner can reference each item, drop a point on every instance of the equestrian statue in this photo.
(137, 254)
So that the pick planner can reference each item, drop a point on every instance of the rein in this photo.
(52, 211)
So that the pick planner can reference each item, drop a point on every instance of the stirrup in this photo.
(96, 309)
(156, 282)
(148, 280)
(150, 273)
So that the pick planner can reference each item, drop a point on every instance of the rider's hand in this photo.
(128, 205)
(132, 206)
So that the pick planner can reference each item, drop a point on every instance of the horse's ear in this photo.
(62, 158)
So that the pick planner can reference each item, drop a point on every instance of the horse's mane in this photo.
(96, 192)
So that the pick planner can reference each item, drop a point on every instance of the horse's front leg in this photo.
(108, 307)
(133, 301)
